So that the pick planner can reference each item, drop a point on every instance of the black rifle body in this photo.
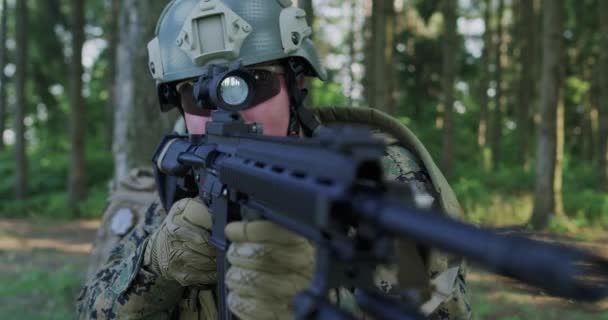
(330, 190)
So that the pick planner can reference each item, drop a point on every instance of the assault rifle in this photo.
(330, 190)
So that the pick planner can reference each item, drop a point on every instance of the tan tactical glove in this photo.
(269, 266)
(179, 249)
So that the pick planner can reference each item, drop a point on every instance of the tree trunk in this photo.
(482, 130)
(450, 47)
(496, 127)
(3, 33)
(49, 68)
(307, 6)
(588, 132)
(76, 181)
(560, 140)
(390, 74)
(138, 122)
(21, 107)
(112, 39)
(603, 97)
(550, 93)
(382, 46)
(526, 85)
(352, 52)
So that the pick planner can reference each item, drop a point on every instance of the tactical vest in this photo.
(379, 120)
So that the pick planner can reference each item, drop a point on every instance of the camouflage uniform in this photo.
(126, 207)
(123, 289)
(401, 165)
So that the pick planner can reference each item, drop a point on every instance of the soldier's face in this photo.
(273, 114)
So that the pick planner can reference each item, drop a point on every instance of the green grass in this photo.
(54, 205)
(38, 293)
(495, 300)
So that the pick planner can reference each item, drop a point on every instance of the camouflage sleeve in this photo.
(122, 288)
(447, 297)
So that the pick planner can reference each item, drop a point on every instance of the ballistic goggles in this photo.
(233, 89)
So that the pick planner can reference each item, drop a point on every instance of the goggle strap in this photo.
(299, 117)
(309, 122)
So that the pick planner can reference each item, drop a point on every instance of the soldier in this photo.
(130, 198)
(164, 266)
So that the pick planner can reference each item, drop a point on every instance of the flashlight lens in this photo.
(234, 90)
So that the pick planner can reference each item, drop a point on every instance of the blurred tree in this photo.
(418, 73)
(496, 128)
(581, 83)
(390, 29)
(138, 123)
(352, 53)
(76, 180)
(603, 95)
(526, 83)
(560, 145)
(21, 99)
(380, 82)
(450, 58)
(345, 42)
(482, 132)
(588, 141)
(3, 78)
(545, 207)
(112, 40)
(47, 58)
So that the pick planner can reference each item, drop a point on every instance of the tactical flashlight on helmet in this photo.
(229, 90)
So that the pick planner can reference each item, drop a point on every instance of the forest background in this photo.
(509, 96)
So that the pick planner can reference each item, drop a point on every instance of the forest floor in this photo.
(43, 263)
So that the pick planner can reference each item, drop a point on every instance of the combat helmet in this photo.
(191, 35)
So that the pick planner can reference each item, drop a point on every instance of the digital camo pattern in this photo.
(122, 289)
(402, 166)
(126, 208)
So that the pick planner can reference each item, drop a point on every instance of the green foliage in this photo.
(503, 196)
(48, 173)
(38, 294)
(48, 113)
(576, 89)
(483, 309)
(489, 195)
(96, 200)
(327, 94)
(587, 207)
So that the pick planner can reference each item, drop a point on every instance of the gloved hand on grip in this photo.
(179, 249)
(269, 265)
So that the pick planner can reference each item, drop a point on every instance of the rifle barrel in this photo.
(560, 270)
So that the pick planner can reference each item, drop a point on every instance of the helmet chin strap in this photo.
(299, 117)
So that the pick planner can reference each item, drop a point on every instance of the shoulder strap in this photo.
(379, 120)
